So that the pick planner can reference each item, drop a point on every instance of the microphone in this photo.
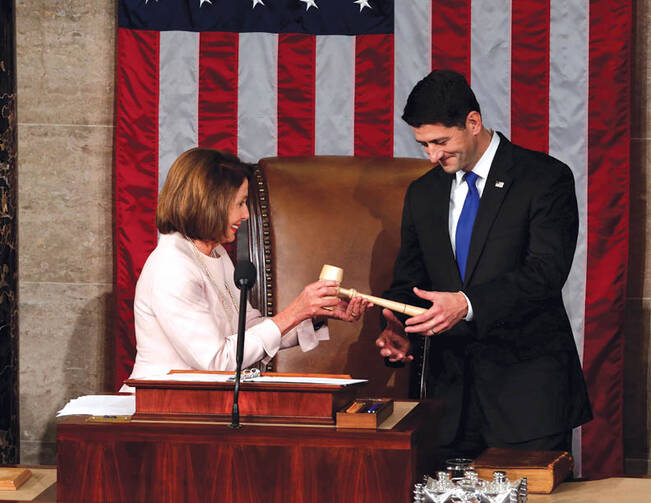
(242, 242)
(244, 277)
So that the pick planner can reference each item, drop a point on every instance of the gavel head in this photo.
(332, 272)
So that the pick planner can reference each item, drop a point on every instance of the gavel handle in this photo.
(398, 307)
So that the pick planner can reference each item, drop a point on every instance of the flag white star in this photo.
(201, 2)
(309, 3)
(256, 2)
(362, 4)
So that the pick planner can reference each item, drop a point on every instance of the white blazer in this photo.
(186, 318)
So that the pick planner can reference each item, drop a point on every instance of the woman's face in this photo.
(237, 211)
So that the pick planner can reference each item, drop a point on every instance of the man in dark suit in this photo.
(488, 237)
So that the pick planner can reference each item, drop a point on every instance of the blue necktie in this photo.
(466, 222)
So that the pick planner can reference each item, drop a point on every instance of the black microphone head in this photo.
(245, 274)
(242, 241)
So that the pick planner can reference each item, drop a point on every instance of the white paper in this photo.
(194, 377)
(100, 405)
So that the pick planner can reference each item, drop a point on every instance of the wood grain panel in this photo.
(194, 462)
(173, 472)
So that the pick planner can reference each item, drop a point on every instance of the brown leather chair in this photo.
(344, 211)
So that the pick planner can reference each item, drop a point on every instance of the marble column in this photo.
(9, 438)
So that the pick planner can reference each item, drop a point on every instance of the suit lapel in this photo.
(438, 210)
(497, 186)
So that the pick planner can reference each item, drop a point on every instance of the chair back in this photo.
(343, 211)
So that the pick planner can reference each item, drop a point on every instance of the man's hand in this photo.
(448, 308)
(392, 341)
(352, 310)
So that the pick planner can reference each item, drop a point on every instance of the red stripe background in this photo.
(136, 178)
(451, 35)
(608, 203)
(218, 60)
(296, 74)
(374, 95)
(530, 74)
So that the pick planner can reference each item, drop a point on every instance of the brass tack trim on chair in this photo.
(260, 243)
(260, 246)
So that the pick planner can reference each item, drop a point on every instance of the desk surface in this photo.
(620, 490)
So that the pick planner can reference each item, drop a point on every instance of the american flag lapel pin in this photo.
(499, 185)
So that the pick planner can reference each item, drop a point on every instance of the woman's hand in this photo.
(352, 310)
(310, 303)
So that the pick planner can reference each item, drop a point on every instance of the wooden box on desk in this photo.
(544, 469)
(362, 419)
(11, 478)
(299, 403)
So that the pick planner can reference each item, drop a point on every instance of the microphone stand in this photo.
(244, 280)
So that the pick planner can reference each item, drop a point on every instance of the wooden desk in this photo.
(166, 461)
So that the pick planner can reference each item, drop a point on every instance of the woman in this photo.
(186, 303)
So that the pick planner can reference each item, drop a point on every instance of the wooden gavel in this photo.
(337, 274)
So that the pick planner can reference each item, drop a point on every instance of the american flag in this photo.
(263, 78)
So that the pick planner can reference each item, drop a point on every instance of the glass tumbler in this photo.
(457, 467)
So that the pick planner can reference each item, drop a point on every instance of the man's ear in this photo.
(473, 122)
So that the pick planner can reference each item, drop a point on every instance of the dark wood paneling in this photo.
(9, 435)
(195, 462)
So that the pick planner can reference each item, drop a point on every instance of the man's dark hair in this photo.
(443, 97)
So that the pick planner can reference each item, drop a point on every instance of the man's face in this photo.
(453, 148)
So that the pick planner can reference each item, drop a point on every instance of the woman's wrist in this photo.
(286, 320)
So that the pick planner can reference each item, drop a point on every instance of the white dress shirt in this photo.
(458, 193)
(185, 311)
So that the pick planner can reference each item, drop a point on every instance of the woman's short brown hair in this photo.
(197, 194)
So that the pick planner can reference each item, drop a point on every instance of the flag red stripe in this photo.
(530, 74)
(451, 35)
(296, 74)
(374, 95)
(136, 178)
(608, 204)
(218, 54)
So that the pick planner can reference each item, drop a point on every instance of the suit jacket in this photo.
(518, 354)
